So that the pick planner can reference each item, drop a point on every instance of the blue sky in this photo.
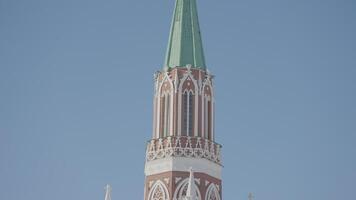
(76, 96)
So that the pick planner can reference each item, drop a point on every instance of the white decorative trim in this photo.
(183, 147)
(166, 180)
(206, 182)
(181, 164)
(158, 95)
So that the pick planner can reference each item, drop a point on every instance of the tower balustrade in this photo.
(183, 146)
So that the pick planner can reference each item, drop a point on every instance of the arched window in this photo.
(165, 114)
(208, 117)
(188, 113)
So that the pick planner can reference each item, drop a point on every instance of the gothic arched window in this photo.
(188, 113)
(165, 114)
(209, 121)
(208, 118)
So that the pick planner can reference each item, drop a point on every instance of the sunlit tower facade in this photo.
(183, 162)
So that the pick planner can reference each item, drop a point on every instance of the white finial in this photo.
(191, 193)
(250, 196)
(165, 69)
(108, 192)
(189, 68)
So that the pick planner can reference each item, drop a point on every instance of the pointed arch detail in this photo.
(188, 76)
(212, 193)
(164, 109)
(158, 191)
(207, 125)
(181, 190)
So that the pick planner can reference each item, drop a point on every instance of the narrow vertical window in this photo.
(206, 124)
(209, 115)
(190, 114)
(166, 115)
(208, 118)
(162, 116)
(187, 113)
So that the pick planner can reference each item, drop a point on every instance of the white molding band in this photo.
(183, 164)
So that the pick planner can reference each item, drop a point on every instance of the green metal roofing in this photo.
(185, 44)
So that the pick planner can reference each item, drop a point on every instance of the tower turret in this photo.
(183, 123)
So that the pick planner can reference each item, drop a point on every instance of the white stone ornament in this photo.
(182, 146)
(177, 179)
(166, 180)
(108, 192)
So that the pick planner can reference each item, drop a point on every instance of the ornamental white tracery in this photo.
(163, 105)
(182, 146)
(212, 193)
(182, 188)
(158, 192)
(188, 78)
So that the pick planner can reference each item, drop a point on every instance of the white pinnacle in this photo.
(107, 192)
(250, 196)
(191, 193)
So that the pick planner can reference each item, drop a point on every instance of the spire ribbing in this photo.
(185, 44)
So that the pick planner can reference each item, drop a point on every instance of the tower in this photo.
(182, 159)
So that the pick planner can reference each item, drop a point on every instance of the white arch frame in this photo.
(187, 75)
(158, 100)
(178, 193)
(208, 83)
(212, 189)
(167, 121)
(161, 185)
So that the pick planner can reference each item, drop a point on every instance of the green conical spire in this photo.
(185, 44)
